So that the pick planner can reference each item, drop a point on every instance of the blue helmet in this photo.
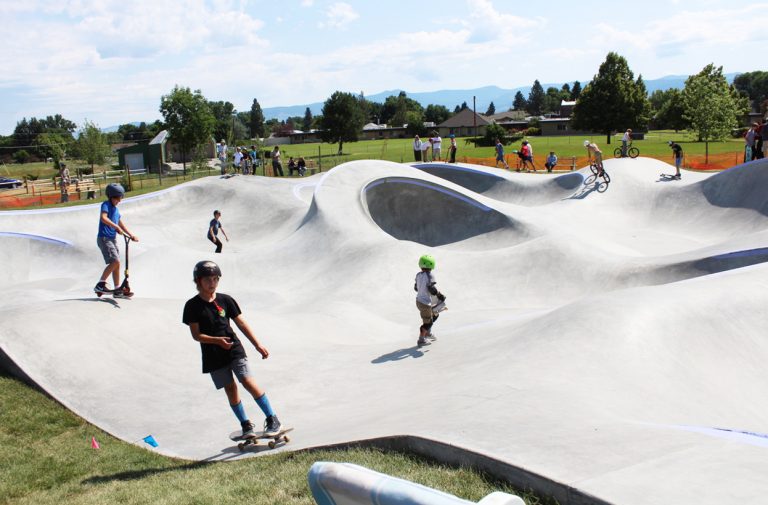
(115, 190)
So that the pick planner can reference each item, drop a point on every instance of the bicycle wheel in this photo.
(606, 177)
(634, 152)
(617, 152)
(593, 168)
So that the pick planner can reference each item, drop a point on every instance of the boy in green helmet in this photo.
(425, 287)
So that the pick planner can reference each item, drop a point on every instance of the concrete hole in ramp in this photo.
(430, 214)
(542, 192)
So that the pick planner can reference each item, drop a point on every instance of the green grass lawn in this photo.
(46, 458)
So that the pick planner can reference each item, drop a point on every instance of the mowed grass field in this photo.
(47, 459)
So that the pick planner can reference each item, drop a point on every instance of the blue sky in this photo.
(110, 61)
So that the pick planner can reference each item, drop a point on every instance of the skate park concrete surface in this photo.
(609, 340)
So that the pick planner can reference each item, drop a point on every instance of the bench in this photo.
(86, 186)
(312, 167)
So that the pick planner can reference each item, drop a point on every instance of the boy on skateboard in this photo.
(208, 315)
(110, 224)
(425, 287)
(677, 152)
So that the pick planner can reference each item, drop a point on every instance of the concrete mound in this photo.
(606, 343)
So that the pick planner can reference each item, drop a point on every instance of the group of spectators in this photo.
(421, 148)
(755, 146)
(245, 161)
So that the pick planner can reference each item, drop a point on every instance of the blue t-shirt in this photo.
(113, 214)
(214, 225)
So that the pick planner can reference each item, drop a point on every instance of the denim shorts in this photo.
(224, 376)
(109, 250)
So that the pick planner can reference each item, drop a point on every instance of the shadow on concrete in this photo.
(399, 355)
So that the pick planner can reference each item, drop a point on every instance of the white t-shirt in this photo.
(423, 281)
(238, 157)
(436, 142)
(417, 145)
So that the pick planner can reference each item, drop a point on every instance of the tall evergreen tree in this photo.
(536, 99)
(491, 110)
(256, 120)
(306, 123)
(576, 90)
(519, 103)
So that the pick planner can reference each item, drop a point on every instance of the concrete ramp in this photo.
(605, 346)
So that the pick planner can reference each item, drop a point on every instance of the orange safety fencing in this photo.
(24, 200)
(721, 161)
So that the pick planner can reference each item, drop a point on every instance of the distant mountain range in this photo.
(502, 98)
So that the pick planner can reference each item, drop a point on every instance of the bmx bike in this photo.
(632, 152)
(599, 173)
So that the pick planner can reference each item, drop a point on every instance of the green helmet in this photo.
(427, 261)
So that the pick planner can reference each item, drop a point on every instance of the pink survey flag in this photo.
(94, 443)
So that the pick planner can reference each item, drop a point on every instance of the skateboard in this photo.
(668, 176)
(126, 294)
(274, 440)
(439, 307)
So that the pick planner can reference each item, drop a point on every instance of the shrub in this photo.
(21, 156)
(533, 132)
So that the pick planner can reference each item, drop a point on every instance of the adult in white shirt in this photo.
(436, 144)
(417, 148)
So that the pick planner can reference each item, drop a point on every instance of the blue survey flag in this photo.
(150, 440)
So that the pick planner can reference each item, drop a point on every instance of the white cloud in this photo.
(339, 15)
(307, 3)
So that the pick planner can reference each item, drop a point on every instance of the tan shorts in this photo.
(425, 311)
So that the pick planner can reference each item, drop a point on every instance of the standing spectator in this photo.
(764, 130)
(237, 159)
(417, 148)
(677, 153)
(64, 182)
(500, 154)
(760, 132)
(254, 157)
(452, 149)
(626, 139)
(436, 146)
(277, 166)
(526, 154)
(222, 152)
(425, 150)
(749, 141)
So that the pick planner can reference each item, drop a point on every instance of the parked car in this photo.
(8, 183)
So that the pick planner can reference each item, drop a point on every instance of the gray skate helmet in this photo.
(206, 269)
(115, 190)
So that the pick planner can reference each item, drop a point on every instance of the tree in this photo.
(667, 109)
(711, 107)
(536, 99)
(53, 145)
(436, 113)
(395, 108)
(519, 103)
(223, 127)
(306, 124)
(613, 100)
(754, 85)
(92, 144)
(343, 119)
(492, 132)
(188, 118)
(256, 120)
(491, 110)
(415, 123)
(554, 98)
(576, 91)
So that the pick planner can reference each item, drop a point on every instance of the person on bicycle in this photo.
(593, 150)
(626, 141)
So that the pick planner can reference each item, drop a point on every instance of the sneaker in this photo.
(101, 287)
(422, 341)
(247, 429)
(431, 336)
(271, 426)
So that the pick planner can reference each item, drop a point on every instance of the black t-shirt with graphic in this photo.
(213, 318)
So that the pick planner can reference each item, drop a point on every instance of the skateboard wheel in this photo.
(286, 439)
(272, 444)
(241, 446)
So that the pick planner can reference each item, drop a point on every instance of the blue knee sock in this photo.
(264, 405)
(239, 412)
